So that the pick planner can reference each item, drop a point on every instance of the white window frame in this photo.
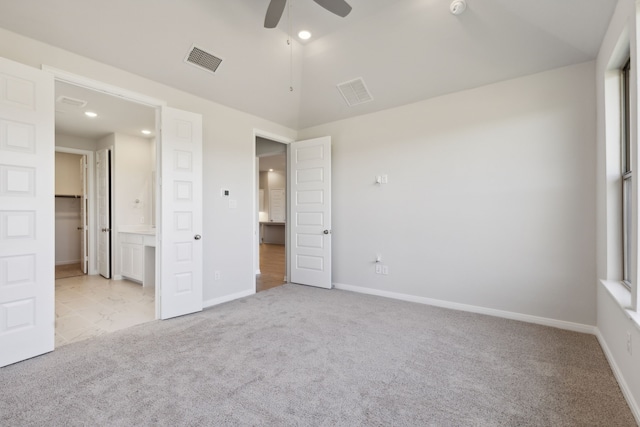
(626, 173)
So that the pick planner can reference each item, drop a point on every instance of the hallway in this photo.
(272, 267)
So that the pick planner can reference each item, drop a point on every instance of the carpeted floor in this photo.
(295, 355)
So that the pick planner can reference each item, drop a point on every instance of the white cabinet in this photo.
(133, 257)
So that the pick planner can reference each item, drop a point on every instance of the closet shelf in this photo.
(68, 196)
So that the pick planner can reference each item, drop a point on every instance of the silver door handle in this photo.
(326, 232)
(197, 237)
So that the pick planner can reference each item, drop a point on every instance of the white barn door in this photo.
(27, 247)
(310, 236)
(180, 244)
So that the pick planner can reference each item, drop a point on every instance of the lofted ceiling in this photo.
(405, 50)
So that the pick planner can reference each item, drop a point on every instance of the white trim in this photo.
(626, 392)
(227, 298)
(96, 85)
(561, 324)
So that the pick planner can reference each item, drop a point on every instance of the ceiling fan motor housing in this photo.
(458, 6)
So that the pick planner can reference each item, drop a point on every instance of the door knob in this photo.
(327, 232)
(197, 237)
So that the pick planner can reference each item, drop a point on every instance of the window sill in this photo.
(622, 296)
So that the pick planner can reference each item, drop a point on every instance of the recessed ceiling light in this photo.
(270, 170)
(90, 114)
(146, 132)
(304, 35)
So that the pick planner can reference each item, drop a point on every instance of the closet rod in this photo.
(68, 196)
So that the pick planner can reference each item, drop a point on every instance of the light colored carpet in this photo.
(301, 356)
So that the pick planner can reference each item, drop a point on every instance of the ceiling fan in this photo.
(276, 7)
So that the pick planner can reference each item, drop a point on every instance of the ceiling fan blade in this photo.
(339, 7)
(274, 13)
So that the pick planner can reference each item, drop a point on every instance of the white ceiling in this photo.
(405, 50)
(115, 115)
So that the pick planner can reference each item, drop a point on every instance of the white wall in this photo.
(68, 176)
(614, 322)
(228, 158)
(489, 201)
(79, 143)
(133, 174)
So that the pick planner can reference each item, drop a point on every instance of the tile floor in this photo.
(88, 306)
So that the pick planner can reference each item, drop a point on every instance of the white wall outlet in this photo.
(233, 203)
(385, 269)
(629, 349)
(378, 268)
(385, 179)
(217, 275)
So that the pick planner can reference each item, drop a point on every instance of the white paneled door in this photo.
(27, 248)
(310, 218)
(103, 184)
(180, 242)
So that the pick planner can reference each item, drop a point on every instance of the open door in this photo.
(84, 226)
(27, 246)
(103, 195)
(310, 218)
(180, 244)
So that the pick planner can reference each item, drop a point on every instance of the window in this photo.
(627, 175)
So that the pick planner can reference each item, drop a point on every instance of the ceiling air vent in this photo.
(74, 102)
(355, 92)
(203, 59)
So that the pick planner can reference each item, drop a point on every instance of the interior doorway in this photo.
(271, 160)
(71, 212)
(89, 123)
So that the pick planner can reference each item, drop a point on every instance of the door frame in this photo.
(131, 96)
(91, 207)
(256, 194)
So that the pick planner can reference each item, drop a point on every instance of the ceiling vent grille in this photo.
(203, 59)
(74, 102)
(355, 92)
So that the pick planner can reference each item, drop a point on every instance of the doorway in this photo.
(71, 212)
(89, 304)
(271, 160)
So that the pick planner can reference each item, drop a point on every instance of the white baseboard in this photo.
(633, 405)
(561, 324)
(227, 298)
(116, 277)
